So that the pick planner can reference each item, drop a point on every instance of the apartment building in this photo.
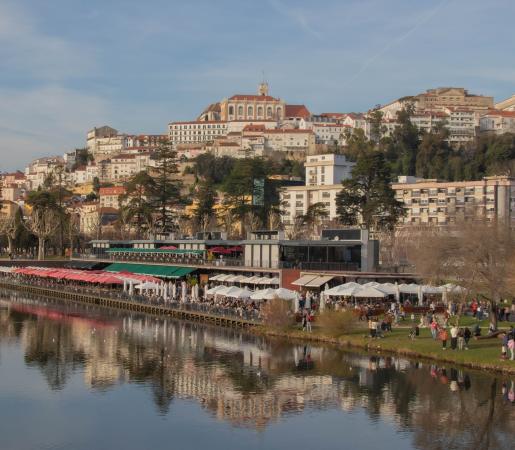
(195, 132)
(110, 196)
(498, 122)
(295, 143)
(324, 175)
(103, 142)
(442, 202)
(330, 133)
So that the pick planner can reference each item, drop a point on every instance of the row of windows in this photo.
(197, 127)
(260, 111)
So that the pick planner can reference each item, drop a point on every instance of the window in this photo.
(279, 112)
(269, 112)
(240, 110)
(250, 111)
(260, 111)
(299, 196)
(231, 110)
(326, 195)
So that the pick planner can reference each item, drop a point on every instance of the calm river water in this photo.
(73, 377)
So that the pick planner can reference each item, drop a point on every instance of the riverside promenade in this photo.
(186, 311)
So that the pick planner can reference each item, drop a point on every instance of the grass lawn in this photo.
(481, 353)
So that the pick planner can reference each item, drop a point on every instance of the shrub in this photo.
(337, 322)
(277, 313)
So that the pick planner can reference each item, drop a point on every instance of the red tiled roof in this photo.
(114, 190)
(296, 111)
(494, 112)
(254, 127)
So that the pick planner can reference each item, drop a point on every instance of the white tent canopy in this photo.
(285, 294)
(369, 292)
(263, 294)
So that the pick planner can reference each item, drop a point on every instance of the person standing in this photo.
(467, 334)
(434, 328)
(454, 337)
(443, 337)
(461, 339)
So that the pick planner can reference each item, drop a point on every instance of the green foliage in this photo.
(367, 196)
(136, 200)
(212, 168)
(166, 190)
(206, 198)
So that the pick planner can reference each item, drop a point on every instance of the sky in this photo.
(69, 65)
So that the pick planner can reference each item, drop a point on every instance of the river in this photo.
(81, 377)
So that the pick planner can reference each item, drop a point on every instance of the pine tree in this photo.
(367, 197)
(166, 188)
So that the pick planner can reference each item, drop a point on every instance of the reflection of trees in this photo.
(49, 347)
(250, 380)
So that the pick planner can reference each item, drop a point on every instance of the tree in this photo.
(433, 155)
(402, 147)
(9, 226)
(136, 201)
(479, 256)
(377, 128)
(314, 216)
(367, 197)
(206, 199)
(239, 188)
(43, 222)
(165, 188)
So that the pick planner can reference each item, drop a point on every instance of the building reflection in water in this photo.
(251, 381)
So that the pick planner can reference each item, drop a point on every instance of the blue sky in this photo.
(69, 65)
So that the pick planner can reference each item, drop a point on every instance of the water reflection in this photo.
(250, 381)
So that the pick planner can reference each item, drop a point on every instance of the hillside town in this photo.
(303, 158)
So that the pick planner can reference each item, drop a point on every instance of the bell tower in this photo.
(263, 87)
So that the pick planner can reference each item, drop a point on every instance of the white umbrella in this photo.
(369, 292)
(131, 287)
(260, 295)
(146, 286)
(215, 289)
(174, 291)
(285, 294)
(343, 290)
(240, 293)
(420, 294)
(397, 293)
(411, 288)
(124, 285)
(183, 292)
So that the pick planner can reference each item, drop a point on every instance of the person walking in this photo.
(443, 337)
(454, 337)
(434, 328)
(467, 334)
(461, 339)
(309, 320)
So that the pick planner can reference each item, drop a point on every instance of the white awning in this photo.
(319, 281)
(305, 279)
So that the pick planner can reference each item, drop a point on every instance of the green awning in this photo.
(154, 270)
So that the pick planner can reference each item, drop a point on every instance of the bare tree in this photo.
(476, 255)
(9, 227)
(297, 229)
(43, 223)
